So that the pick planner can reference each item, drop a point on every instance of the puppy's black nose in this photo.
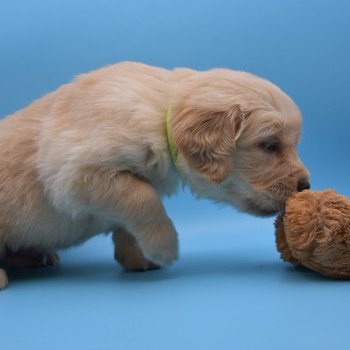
(303, 185)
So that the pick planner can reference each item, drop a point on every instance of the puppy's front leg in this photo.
(128, 253)
(135, 205)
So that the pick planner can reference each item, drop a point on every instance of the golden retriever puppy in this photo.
(98, 154)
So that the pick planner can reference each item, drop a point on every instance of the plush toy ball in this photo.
(315, 232)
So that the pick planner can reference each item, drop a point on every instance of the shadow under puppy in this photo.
(98, 154)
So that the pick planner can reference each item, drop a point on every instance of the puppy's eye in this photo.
(270, 146)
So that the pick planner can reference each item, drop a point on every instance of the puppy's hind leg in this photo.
(3, 274)
(3, 279)
(30, 258)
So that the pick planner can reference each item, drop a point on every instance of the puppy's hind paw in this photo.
(31, 258)
(52, 259)
(3, 279)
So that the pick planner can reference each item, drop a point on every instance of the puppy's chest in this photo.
(166, 186)
(163, 176)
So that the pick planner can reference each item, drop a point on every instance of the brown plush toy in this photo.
(315, 232)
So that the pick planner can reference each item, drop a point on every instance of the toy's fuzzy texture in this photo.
(315, 232)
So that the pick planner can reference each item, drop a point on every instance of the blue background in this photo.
(229, 290)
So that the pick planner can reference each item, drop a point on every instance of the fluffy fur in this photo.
(315, 232)
(93, 157)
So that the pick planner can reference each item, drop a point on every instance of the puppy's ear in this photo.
(206, 138)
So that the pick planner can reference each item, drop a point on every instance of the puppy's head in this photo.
(237, 139)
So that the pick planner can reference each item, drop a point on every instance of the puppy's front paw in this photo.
(3, 279)
(136, 263)
(129, 255)
(162, 249)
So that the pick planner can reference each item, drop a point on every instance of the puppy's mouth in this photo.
(267, 204)
(259, 209)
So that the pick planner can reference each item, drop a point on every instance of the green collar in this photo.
(171, 145)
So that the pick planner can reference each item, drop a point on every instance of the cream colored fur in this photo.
(92, 157)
